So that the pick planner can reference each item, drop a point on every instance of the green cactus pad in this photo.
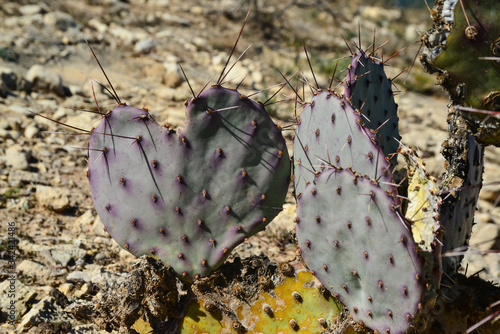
(460, 197)
(189, 198)
(357, 243)
(370, 91)
(330, 133)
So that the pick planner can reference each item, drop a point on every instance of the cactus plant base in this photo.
(264, 297)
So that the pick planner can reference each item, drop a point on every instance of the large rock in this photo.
(24, 296)
(62, 255)
(45, 311)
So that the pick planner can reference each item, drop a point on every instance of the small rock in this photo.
(19, 177)
(66, 289)
(99, 257)
(197, 10)
(31, 9)
(62, 255)
(98, 228)
(24, 296)
(484, 236)
(173, 76)
(160, 3)
(174, 20)
(33, 269)
(125, 35)
(56, 199)
(8, 77)
(45, 311)
(45, 80)
(31, 131)
(380, 14)
(86, 289)
(59, 20)
(84, 223)
(98, 25)
(19, 109)
(17, 157)
(95, 274)
(78, 275)
(257, 77)
(145, 45)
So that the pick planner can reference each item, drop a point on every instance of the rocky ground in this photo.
(63, 255)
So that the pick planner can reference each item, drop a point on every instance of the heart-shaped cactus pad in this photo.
(189, 197)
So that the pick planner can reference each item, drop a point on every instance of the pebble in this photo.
(54, 198)
(34, 269)
(197, 10)
(484, 236)
(17, 157)
(98, 228)
(174, 20)
(59, 20)
(97, 275)
(44, 79)
(378, 14)
(84, 223)
(18, 177)
(66, 288)
(31, 131)
(173, 76)
(86, 289)
(8, 77)
(98, 25)
(127, 36)
(31, 9)
(160, 3)
(145, 45)
(19, 109)
(61, 255)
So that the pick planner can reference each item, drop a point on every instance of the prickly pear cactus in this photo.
(370, 91)
(463, 48)
(355, 240)
(189, 198)
(330, 133)
(461, 186)
(264, 298)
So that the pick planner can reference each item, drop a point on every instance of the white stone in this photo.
(44, 79)
(16, 157)
(53, 198)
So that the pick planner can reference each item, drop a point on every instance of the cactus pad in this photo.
(331, 133)
(354, 239)
(459, 204)
(370, 91)
(189, 198)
